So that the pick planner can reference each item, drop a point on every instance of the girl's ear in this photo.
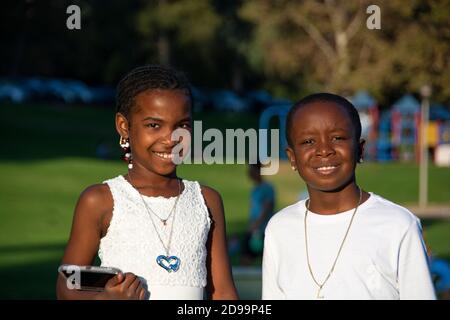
(291, 157)
(122, 126)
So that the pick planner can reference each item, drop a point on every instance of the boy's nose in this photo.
(324, 149)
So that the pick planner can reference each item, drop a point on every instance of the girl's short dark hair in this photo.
(148, 77)
(324, 97)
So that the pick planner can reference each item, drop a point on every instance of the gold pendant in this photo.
(318, 294)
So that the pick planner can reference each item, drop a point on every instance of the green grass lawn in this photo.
(49, 158)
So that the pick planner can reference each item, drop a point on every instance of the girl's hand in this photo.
(123, 287)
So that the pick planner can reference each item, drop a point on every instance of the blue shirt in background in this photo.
(259, 195)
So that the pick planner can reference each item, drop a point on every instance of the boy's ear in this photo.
(122, 126)
(362, 144)
(291, 156)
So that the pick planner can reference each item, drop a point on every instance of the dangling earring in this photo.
(361, 160)
(125, 145)
(294, 168)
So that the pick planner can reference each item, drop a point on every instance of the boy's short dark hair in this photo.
(324, 97)
(145, 78)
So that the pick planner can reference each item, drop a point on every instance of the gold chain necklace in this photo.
(339, 251)
(167, 262)
(163, 221)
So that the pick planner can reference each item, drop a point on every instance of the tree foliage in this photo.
(327, 46)
(288, 47)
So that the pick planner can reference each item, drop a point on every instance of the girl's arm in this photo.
(93, 207)
(220, 281)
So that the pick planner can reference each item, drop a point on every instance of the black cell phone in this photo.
(90, 278)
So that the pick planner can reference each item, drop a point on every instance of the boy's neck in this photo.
(328, 203)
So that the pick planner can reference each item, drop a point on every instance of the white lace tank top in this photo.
(132, 245)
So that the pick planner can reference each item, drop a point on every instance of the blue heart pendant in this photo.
(170, 264)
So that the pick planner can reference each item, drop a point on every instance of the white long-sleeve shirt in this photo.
(384, 256)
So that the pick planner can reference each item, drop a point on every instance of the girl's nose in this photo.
(167, 139)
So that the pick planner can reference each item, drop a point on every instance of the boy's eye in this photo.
(185, 126)
(152, 125)
(338, 138)
(308, 141)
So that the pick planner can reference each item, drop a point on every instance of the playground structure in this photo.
(369, 115)
(391, 135)
(279, 112)
(405, 124)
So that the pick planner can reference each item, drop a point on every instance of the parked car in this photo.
(103, 95)
(259, 99)
(262, 99)
(227, 100)
(13, 92)
(81, 91)
(61, 90)
(202, 100)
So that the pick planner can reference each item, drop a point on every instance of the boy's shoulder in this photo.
(383, 208)
(285, 216)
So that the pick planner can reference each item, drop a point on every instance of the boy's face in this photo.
(151, 122)
(324, 148)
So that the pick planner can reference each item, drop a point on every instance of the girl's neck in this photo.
(328, 203)
(150, 183)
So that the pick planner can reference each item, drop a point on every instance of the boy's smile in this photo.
(326, 170)
(324, 148)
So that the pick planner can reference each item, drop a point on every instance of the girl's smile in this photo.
(164, 155)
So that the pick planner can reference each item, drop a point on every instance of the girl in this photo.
(342, 242)
(167, 234)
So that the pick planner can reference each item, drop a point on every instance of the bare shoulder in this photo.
(95, 204)
(213, 202)
(211, 195)
(91, 216)
(97, 196)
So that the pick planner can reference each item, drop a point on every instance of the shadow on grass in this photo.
(35, 280)
(31, 280)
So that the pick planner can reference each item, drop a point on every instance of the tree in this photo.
(165, 24)
(325, 45)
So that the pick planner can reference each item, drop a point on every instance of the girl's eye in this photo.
(153, 125)
(185, 126)
(308, 141)
(338, 138)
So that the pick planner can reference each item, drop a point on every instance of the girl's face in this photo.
(324, 148)
(153, 118)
